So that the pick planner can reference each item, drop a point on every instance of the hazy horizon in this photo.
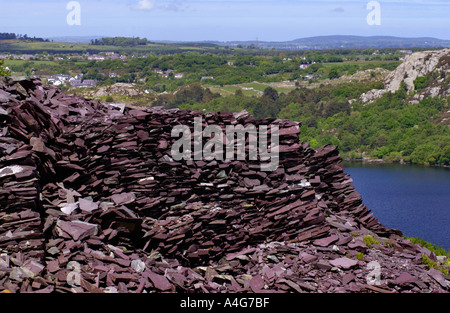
(231, 20)
(248, 40)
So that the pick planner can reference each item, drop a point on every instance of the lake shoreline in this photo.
(375, 161)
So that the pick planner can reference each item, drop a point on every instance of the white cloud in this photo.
(144, 5)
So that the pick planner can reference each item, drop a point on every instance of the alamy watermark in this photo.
(374, 16)
(74, 276)
(374, 277)
(74, 16)
(220, 147)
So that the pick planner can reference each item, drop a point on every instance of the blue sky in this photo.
(191, 20)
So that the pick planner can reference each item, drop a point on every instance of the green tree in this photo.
(269, 106)
(3, 70)
(445, 156)
(109, 99)
(421, 82)
(334, 73)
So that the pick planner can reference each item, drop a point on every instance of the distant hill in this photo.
(346, 42)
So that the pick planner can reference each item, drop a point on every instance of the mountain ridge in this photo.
(346, 41)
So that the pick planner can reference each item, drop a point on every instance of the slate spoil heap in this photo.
(91, 201)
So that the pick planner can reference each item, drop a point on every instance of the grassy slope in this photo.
(62, 47)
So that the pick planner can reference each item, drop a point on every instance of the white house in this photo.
(96, 57)
(75, 83)
(61, 77)
(87, 83)
(27, 56)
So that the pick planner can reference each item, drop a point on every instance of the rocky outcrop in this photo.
(92, 201)
(117, 89)
(416, 65)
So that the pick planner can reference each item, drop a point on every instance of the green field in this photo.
(17, 47)
(248, 89)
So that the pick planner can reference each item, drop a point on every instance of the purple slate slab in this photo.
(404, 278)
(439, 277)
(256, 283)
(325, 242)
(344, 262)
(87, 205)
(159, 281)
(77, 229)
(123, 198)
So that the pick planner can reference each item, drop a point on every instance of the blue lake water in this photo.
(413, 199)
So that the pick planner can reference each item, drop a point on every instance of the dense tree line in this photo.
(6, 36)
(119, 41)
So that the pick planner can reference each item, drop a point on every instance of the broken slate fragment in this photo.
(404, 278)
(325, 242)
(344, 262)
(123, 198)
(138, 266)
(159, 281)
(256, 283)
(87, 205)
(439, 277)
(68, 208)
(77, 229)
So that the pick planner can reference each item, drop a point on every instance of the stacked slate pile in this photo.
(92, 200)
